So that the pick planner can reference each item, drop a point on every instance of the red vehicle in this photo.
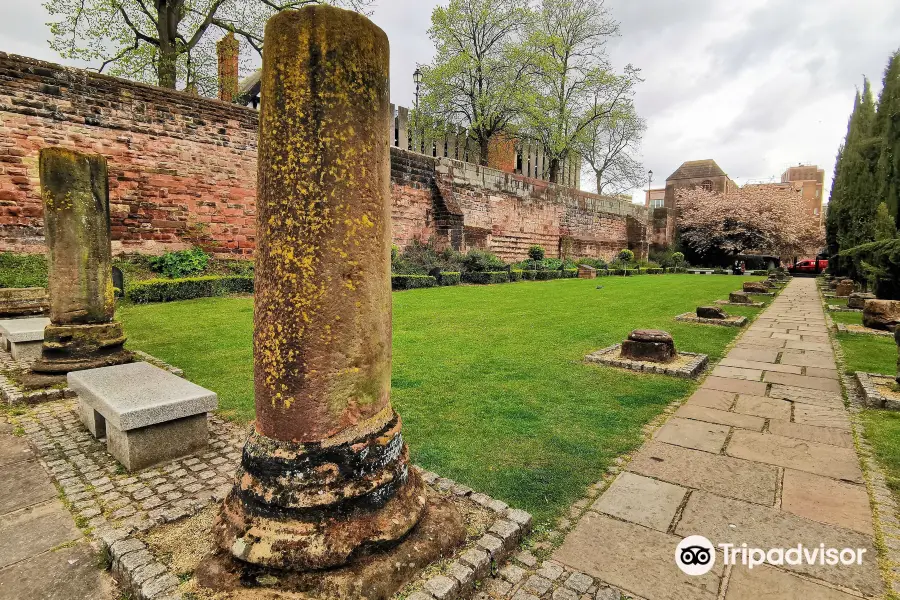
(809, 265)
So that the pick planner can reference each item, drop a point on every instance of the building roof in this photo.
(697, 169)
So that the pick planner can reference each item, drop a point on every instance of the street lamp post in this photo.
(417, 77)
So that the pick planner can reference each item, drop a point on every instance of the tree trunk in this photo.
(484, 144)
(167, 30)
(599, 183)
(554, 170)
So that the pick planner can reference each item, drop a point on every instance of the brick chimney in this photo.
(228, 50)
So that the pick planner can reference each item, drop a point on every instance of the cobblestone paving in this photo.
(101, 493)
(763, 453)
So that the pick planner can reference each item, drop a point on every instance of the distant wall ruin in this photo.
(183, 172)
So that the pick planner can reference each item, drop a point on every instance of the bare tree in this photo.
(162, 41)
(609, 147)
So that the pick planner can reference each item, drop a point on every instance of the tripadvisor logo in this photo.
(696, 555)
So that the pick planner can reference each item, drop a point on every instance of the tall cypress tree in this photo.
(888, 128)
(858, 184)
(834, 211)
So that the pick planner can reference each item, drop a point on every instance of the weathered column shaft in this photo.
(326, 470)
(323, 301)
(81, 334)
(75, 190)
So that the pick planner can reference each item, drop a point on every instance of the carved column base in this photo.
(304, 507)
(79, 347)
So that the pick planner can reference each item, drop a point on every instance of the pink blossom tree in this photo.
(767, 219)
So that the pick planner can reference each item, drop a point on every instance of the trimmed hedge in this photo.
(449, 278)
(169, 290)
(412, 282)
(656, 271)
(570, 274)
(515, 274)
(486, 277)
(759, 273)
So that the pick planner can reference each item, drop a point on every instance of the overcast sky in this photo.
(757, 85)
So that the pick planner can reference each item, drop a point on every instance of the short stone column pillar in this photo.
(81, 334)
(326, 471)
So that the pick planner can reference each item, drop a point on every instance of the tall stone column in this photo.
(81, 334)
(326, 472)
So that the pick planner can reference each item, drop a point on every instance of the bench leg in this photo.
(140, 448)
(24, 351)
(93, 420)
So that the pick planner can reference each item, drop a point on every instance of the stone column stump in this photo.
(82, 333)
(740, 298)
(845, 288)
(325, 474)
(711, 312)
(650, 345)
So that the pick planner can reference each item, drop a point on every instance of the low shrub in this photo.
(180, 264)
(169, 290)
(479, 261)
(529, 275)
(486, 277)
(570, 273)
(720, 272)
(656, 271)
(22, 270)
(760, 273)
(548, 275)
(412, 282)
(624, 272)
(536, 252)
(597, 263)
(515, 274)
(449, 278)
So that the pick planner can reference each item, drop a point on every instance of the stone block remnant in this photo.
(82, 333)
(20, 302)
(325, 475)
(711, 312)
(650, 345)
(858, 300)
(845, 288)
(756, 287)
(586, 272)
(740, 298)
(881, 314)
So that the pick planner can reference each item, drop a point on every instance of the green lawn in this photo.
(848, 318)
(489, 380)
(869, 353)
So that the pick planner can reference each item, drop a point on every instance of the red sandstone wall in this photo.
(183, 172)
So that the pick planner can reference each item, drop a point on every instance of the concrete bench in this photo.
(147, 415)
(23, 338)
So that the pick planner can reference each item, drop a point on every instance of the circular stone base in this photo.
(79, 347)
(371, 575)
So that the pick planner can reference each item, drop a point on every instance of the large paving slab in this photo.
(827, 501)
(808, 396)
(711, 415)
(739, 386)
(822, 435)
(718, 474)
(712, 399)
(770, 583)
(693, 434)
(24, 483)
(727, 521)
(13, 450)
(760, 406)
(68, 573)
(636, 559)
(641, 500)
(803, 381)
(819, 416)
(821, 459)
(34, 530)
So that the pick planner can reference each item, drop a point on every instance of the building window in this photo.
(707, 185)
(657, 203)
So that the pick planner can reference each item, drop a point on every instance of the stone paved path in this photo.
(761, 454)
(43, 555)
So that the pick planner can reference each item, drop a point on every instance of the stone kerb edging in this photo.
(873, 398)
(135, 567)
(730, 321)
(861, 330)
(884, 506)
(609, 357)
